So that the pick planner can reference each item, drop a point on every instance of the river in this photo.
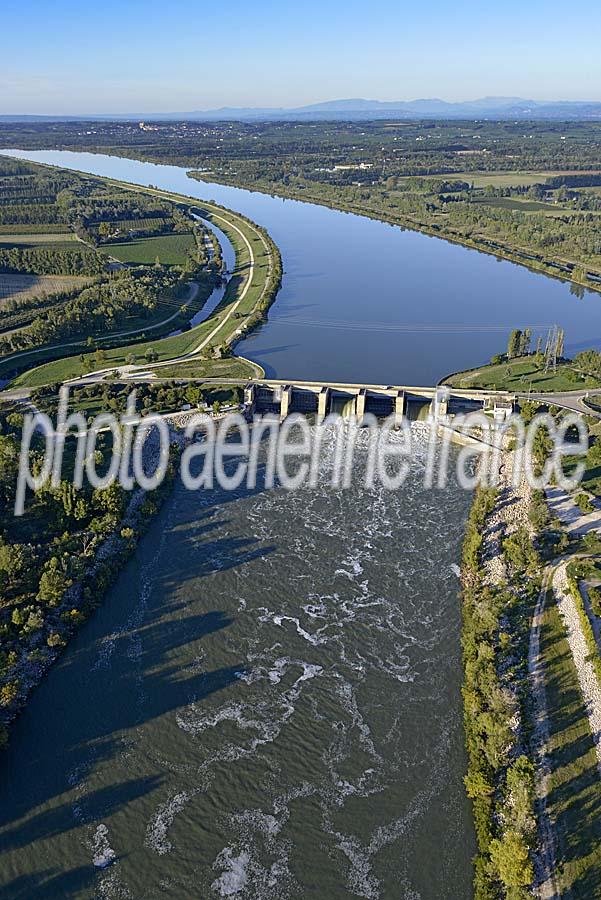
(267, 704)
(366, 301)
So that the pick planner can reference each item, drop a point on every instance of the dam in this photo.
(321, 399)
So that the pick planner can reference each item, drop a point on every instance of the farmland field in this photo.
(151, 223)
(170, 249)
(23, 287)
(28, 229)
(520, 205)
(513, 179)
(29, 240)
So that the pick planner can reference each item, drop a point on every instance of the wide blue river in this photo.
(367, 301)
(267, 706)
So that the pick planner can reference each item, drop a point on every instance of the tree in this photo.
(193, 394)
(560, 343)
(128, 534)
(511, 860)
(67, 495)
(12, 561)
(52, 583)
(9, 693)
(519, 552)
(109, 499)
(55, 640)
(477, 785)
(520, 788)
(514, 344)
(35, 621)
(81, 509)
(526, 341)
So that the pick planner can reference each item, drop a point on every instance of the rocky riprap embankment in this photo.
(509, 514)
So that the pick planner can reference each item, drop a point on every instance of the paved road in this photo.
(233, 309)
(191, 296)
(186, 357)
(567, 399)
(100, 374)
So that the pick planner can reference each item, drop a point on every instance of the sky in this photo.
(143, 56)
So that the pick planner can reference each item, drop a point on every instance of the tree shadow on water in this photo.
(60, 819)
(56, 753)
(49, 883)
(123, 670)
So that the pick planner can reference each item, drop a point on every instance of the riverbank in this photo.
(523, 374)
(527, 633)
(560, 269)
(100, 562)
(251, 290)
(498, 586)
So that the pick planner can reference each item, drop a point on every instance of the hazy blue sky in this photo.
(146, 55)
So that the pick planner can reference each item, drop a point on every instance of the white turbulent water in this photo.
(267, 706)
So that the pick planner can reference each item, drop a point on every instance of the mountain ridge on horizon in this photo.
(361, 109)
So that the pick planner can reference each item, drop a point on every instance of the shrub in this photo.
(594, 594)
(9, 693)
(55, 640)
(511, 861)
(520, 553)
(584, 504)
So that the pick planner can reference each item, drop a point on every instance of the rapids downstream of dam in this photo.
(267, 705)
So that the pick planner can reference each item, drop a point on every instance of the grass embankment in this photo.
(230, 367)
(522, 375)
(591, 478)
(574, 797)
(575, 571)
(253, 286)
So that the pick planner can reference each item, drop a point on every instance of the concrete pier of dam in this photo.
(320, 399)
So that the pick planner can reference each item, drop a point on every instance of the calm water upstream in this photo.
(268, 703)
(367, 301)
(266, 706)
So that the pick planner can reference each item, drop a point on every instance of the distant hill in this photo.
(360, 109)
(486, 108)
